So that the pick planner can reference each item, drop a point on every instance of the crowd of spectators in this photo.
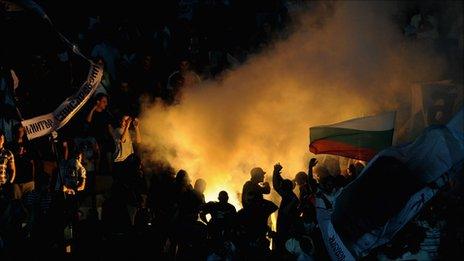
(83, 191)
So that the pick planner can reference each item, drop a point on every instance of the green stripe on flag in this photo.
(376, 140)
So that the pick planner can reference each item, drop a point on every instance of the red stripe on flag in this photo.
(324, 146)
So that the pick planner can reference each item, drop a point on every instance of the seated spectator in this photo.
(255, 187)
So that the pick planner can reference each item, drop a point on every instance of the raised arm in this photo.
(277, 178)
(125, 132)
(138, 137)
(90, 115)
(311, 180)
(266, 189)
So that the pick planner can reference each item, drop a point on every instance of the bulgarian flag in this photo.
(359, 138)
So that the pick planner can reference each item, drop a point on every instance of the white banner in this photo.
(334, 245)
(45, 124)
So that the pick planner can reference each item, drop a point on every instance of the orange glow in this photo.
(260, 113)
(212, 193)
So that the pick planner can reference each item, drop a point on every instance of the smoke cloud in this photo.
(342, 61)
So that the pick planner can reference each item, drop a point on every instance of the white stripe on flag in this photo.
(379, 122)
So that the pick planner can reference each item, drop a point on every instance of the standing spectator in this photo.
(124, 144)
(184, 77)
(100, 128)
(287, 217)
(7, 176)
(307, 186)
(252, 229)
(199, 188)
(24, 183)
(162, 200)
(25, 168)
(222, 217)
(73, 182)
(220, 226)
(126, 164)
(145, 78)
(191, 234)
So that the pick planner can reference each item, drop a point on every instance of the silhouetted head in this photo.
(287, 185)
(200, 185)
(123, 120)
(257, 174)
(101, 101)
(184, 64)
(182, 178)
(328, 183)
(301, 178)
(223, 196)
(168, 172)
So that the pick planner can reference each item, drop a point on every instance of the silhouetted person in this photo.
(91, 153)
(7, 176)
(184, 77)
(124, 141)
(354, 170)
(252, 220)
(163, 201)
(307, 206)
(23, 185)
(287, 217)
(199, 188)
(191, 234)
(99, 120)
(7, 163)
(222, 217)
(307, 186)
(252, 228)
(25, 171)
(255, 187)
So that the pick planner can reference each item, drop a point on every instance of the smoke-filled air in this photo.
(342, 61)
